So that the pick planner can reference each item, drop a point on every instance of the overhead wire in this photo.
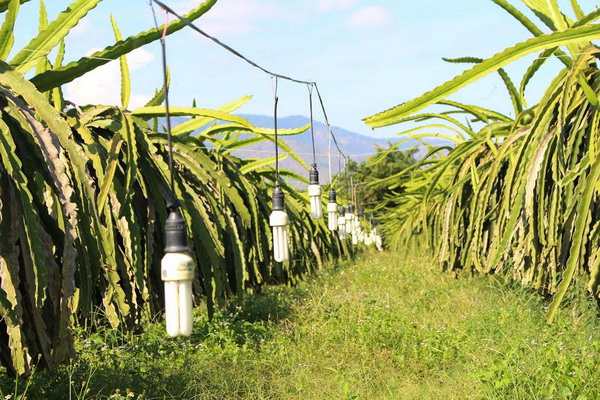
(238, 54)
(276, 76)
(327, 119)
(227, 47)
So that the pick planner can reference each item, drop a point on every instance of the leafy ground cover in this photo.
(386, 326)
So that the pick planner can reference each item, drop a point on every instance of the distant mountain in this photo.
(357, 146)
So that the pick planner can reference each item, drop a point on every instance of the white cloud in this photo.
(139, 58)
(103, 85)
(370, 17)
(82, 27)
(334, 5)
(234, 17)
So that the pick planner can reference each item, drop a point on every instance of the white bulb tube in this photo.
(279, 222)
(342, 226)
(185, 308)
(332, 217)
(314, 194)
(172, 308)
(349, 223)
(177, 272)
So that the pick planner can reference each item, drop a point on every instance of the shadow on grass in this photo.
(120, 365)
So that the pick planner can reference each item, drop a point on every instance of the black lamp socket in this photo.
(277, 199)
(175, 232)
(314, 175)
(332, 196)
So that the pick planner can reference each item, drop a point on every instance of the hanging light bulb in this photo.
(177, 272)
(369, 239)
(314, 194)
(332, 216)
(354, 231)
(350, 221)
(342, 222)
(357, 218)
(378, 243)
(279, 222)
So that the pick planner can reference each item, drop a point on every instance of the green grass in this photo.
(387, 327)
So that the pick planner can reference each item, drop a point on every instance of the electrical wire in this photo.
(312, 127)
(238, 54)
(329, 158)
(352, 188)
(227, 47)
(163, 46)
(327, 118)
(276, 103)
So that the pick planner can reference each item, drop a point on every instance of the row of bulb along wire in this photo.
(279, 219)
(178, 265)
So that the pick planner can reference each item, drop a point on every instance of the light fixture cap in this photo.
(332, 196)
(278, 199)
(313, 175)
(175, 232)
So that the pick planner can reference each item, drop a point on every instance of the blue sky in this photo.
(366, 55)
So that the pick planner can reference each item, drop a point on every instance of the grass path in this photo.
(387, 327)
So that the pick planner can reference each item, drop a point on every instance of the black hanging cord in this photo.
(312, 127)
(276, 102)
(339, 170)
(350, 181)
(172, 203)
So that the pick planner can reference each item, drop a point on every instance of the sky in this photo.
(365, 55)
